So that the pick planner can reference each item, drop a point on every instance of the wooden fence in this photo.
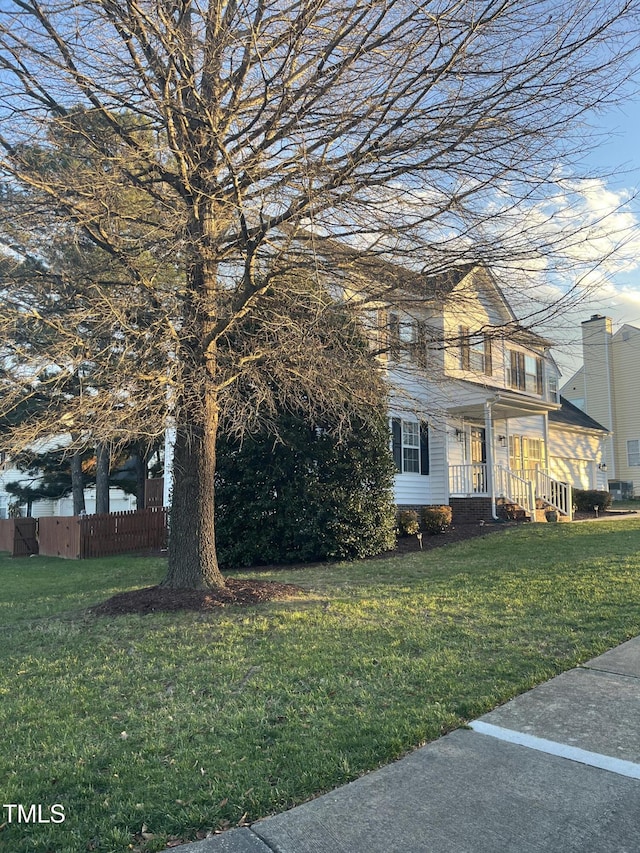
(18, 536)
(154, 492)
(78, 537)
(59, 536)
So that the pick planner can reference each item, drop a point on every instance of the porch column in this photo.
(488, 426)
(545, 432)
(169, 442)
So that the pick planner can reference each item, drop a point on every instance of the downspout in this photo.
(488, 422)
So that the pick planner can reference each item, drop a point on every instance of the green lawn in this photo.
(185, 723)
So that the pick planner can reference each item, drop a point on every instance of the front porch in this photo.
(498, 450)
(531, 489)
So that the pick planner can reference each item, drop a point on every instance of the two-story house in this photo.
(607, 387)
(477, 421)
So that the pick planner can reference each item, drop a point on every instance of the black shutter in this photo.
(539, 375)
(394, 335)
(420, 353)
(396, 443)
(465, 351)
(514, 368)
(488, 364)
(522, 376)
(424, 447)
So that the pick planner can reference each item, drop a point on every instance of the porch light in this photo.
(602, 466)
(460, 435)
(502, 440)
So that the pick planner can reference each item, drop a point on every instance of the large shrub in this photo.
(306, 494)
(586, 500)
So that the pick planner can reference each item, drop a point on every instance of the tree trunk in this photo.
(103, 464)
(77, 483)
(193, 563)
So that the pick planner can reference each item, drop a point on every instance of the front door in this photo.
(478, 452)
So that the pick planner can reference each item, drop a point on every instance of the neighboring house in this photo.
(477, 421)
(607, 387)
(118, 499)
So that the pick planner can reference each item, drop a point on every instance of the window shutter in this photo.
(378, 332)
(394, 335)
(514, 368)
(396, 443)
(424, 447)
(522, 378)
(465, 354)
(539, 375)
(488, 365)
(420, 353)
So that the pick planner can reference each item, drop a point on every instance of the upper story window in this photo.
(633, 452)
(525, 372)
(407, 332)
(408, 337)
(374, 323)
(475, 352)
(552, 385)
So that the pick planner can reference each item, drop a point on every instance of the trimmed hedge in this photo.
(436, 519)
(586, 500)
(407, 520)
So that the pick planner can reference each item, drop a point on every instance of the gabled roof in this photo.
(570, 415)
(389, 281)
(625, 330)
(577, 377)
(373, 267)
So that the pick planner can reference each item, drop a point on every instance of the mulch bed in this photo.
(152, 599)
(461, 533)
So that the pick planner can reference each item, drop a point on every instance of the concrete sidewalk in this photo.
(556, 770)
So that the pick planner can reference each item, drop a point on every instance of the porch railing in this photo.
(554, 493)
(470, 480)
(516, 489)
(467, 480)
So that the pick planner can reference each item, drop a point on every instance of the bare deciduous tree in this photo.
(206, 138)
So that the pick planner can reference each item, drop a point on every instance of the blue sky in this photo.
(619, 155)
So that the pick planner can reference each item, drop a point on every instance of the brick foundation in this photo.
(464, 510)
(470, 510)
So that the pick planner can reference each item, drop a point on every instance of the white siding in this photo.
(574, 457)
(431, 488)
(626, 377)
(118, 502)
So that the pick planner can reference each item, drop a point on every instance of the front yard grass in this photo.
(155, 728)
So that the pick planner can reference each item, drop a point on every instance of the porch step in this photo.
(511, 512)
(541, 515)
